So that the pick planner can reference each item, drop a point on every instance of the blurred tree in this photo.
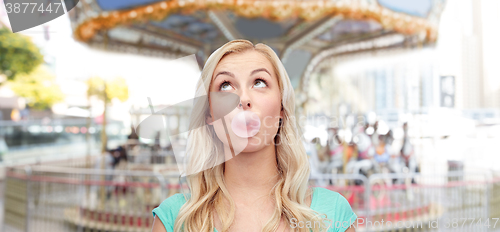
(18, 54)
(38, 88)
(106, 90)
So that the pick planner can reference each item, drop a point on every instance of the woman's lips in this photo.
(245, 124)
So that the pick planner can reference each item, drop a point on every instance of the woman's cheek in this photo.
(219, 131)
(267, 121)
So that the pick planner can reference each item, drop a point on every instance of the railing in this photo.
(455, 201)
(42, 198)
(52, 198)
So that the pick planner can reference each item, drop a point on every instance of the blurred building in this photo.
(470, 44)
(480, 55)
(459, 72)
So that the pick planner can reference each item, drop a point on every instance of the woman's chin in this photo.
(256, 144)
(252, 148)
(246, 145)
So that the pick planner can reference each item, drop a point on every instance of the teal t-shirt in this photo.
(331, 203)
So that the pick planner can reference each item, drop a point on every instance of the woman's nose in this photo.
(245, 105)
(244, 102)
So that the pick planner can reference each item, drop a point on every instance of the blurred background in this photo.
(398, 102)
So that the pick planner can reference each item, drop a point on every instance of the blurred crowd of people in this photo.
(362, 150)
(114, 159)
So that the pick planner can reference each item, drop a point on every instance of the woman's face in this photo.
(251, 76)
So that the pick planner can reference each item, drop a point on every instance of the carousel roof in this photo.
(302, 32)
(183, 27)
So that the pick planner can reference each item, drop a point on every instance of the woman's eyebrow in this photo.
(260, 70)
(252, 73)
(224, 73)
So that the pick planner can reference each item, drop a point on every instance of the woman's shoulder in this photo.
(168, 210)
(334, 205)
(174, 202)
(326, 198)
(326, 193)
(176, 199)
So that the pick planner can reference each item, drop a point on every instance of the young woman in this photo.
(264, 187)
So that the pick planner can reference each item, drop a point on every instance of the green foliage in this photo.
(38, 88)
(95, 87)
(115, 88)
(18, 54)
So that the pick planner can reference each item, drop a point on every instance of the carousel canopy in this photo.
(302, 32)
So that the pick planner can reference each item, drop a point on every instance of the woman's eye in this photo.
(225, 86)
(260, 83)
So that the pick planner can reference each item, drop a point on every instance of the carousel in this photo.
(303, 33)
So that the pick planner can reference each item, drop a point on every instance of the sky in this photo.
(415, 7)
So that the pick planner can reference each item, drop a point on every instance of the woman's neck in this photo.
(249, 176)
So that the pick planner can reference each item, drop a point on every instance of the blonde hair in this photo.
(207, 187)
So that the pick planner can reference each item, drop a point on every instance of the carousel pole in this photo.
(89, 151)
(87, 136)
(104, 138)
(104, 141)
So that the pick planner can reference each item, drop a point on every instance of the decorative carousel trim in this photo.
(272, 10)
